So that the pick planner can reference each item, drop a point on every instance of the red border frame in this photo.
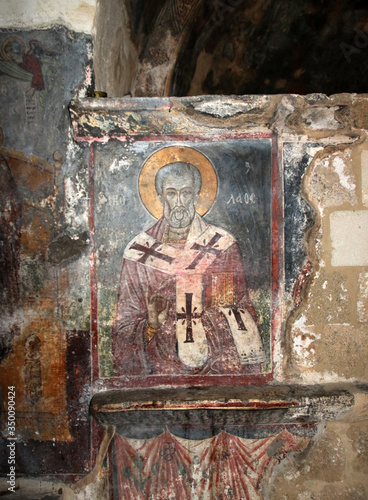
(161, 381)
(93, 269)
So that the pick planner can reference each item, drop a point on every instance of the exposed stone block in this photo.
(359, 113)
(349, 238)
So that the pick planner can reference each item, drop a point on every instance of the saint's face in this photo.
(178, 199)
(14, 52)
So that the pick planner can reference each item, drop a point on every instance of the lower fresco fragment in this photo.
(222, 467)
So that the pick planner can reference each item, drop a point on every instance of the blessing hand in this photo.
(156, 317)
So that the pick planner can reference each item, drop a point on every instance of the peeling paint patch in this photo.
(222, 108)
(345, 180)
(76, 198)
(364, 176)
(362, 303)
(304, 352)
(318, 118)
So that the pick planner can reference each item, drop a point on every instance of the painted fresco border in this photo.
(126, 382)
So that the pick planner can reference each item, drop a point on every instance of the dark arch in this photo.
(267, 47)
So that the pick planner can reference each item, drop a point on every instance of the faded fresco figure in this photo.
(16, 61)
(183, 304)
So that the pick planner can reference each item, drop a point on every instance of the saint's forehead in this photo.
(178, 181)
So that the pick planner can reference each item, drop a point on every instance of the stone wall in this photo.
(319, 343)
(321, 340)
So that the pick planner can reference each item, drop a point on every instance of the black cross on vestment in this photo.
(150, 252)
(238, 318)
(205, 249)
(188, 315)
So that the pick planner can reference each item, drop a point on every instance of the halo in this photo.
(173, 154)
(8, 40)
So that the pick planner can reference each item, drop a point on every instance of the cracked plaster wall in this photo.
(328, 333)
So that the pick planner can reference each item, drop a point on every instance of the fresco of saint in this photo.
(22, 64)
(183, 304)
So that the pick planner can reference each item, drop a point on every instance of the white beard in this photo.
(179, 217)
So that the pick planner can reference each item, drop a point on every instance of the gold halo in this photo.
(8, 40)
(173, 154)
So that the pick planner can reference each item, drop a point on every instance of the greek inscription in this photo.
(30, 108)
(243, 199)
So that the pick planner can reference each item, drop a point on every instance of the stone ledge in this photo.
(315, 116)
(262, 409)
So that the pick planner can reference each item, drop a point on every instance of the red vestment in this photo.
(33, 65)
(213, 272)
